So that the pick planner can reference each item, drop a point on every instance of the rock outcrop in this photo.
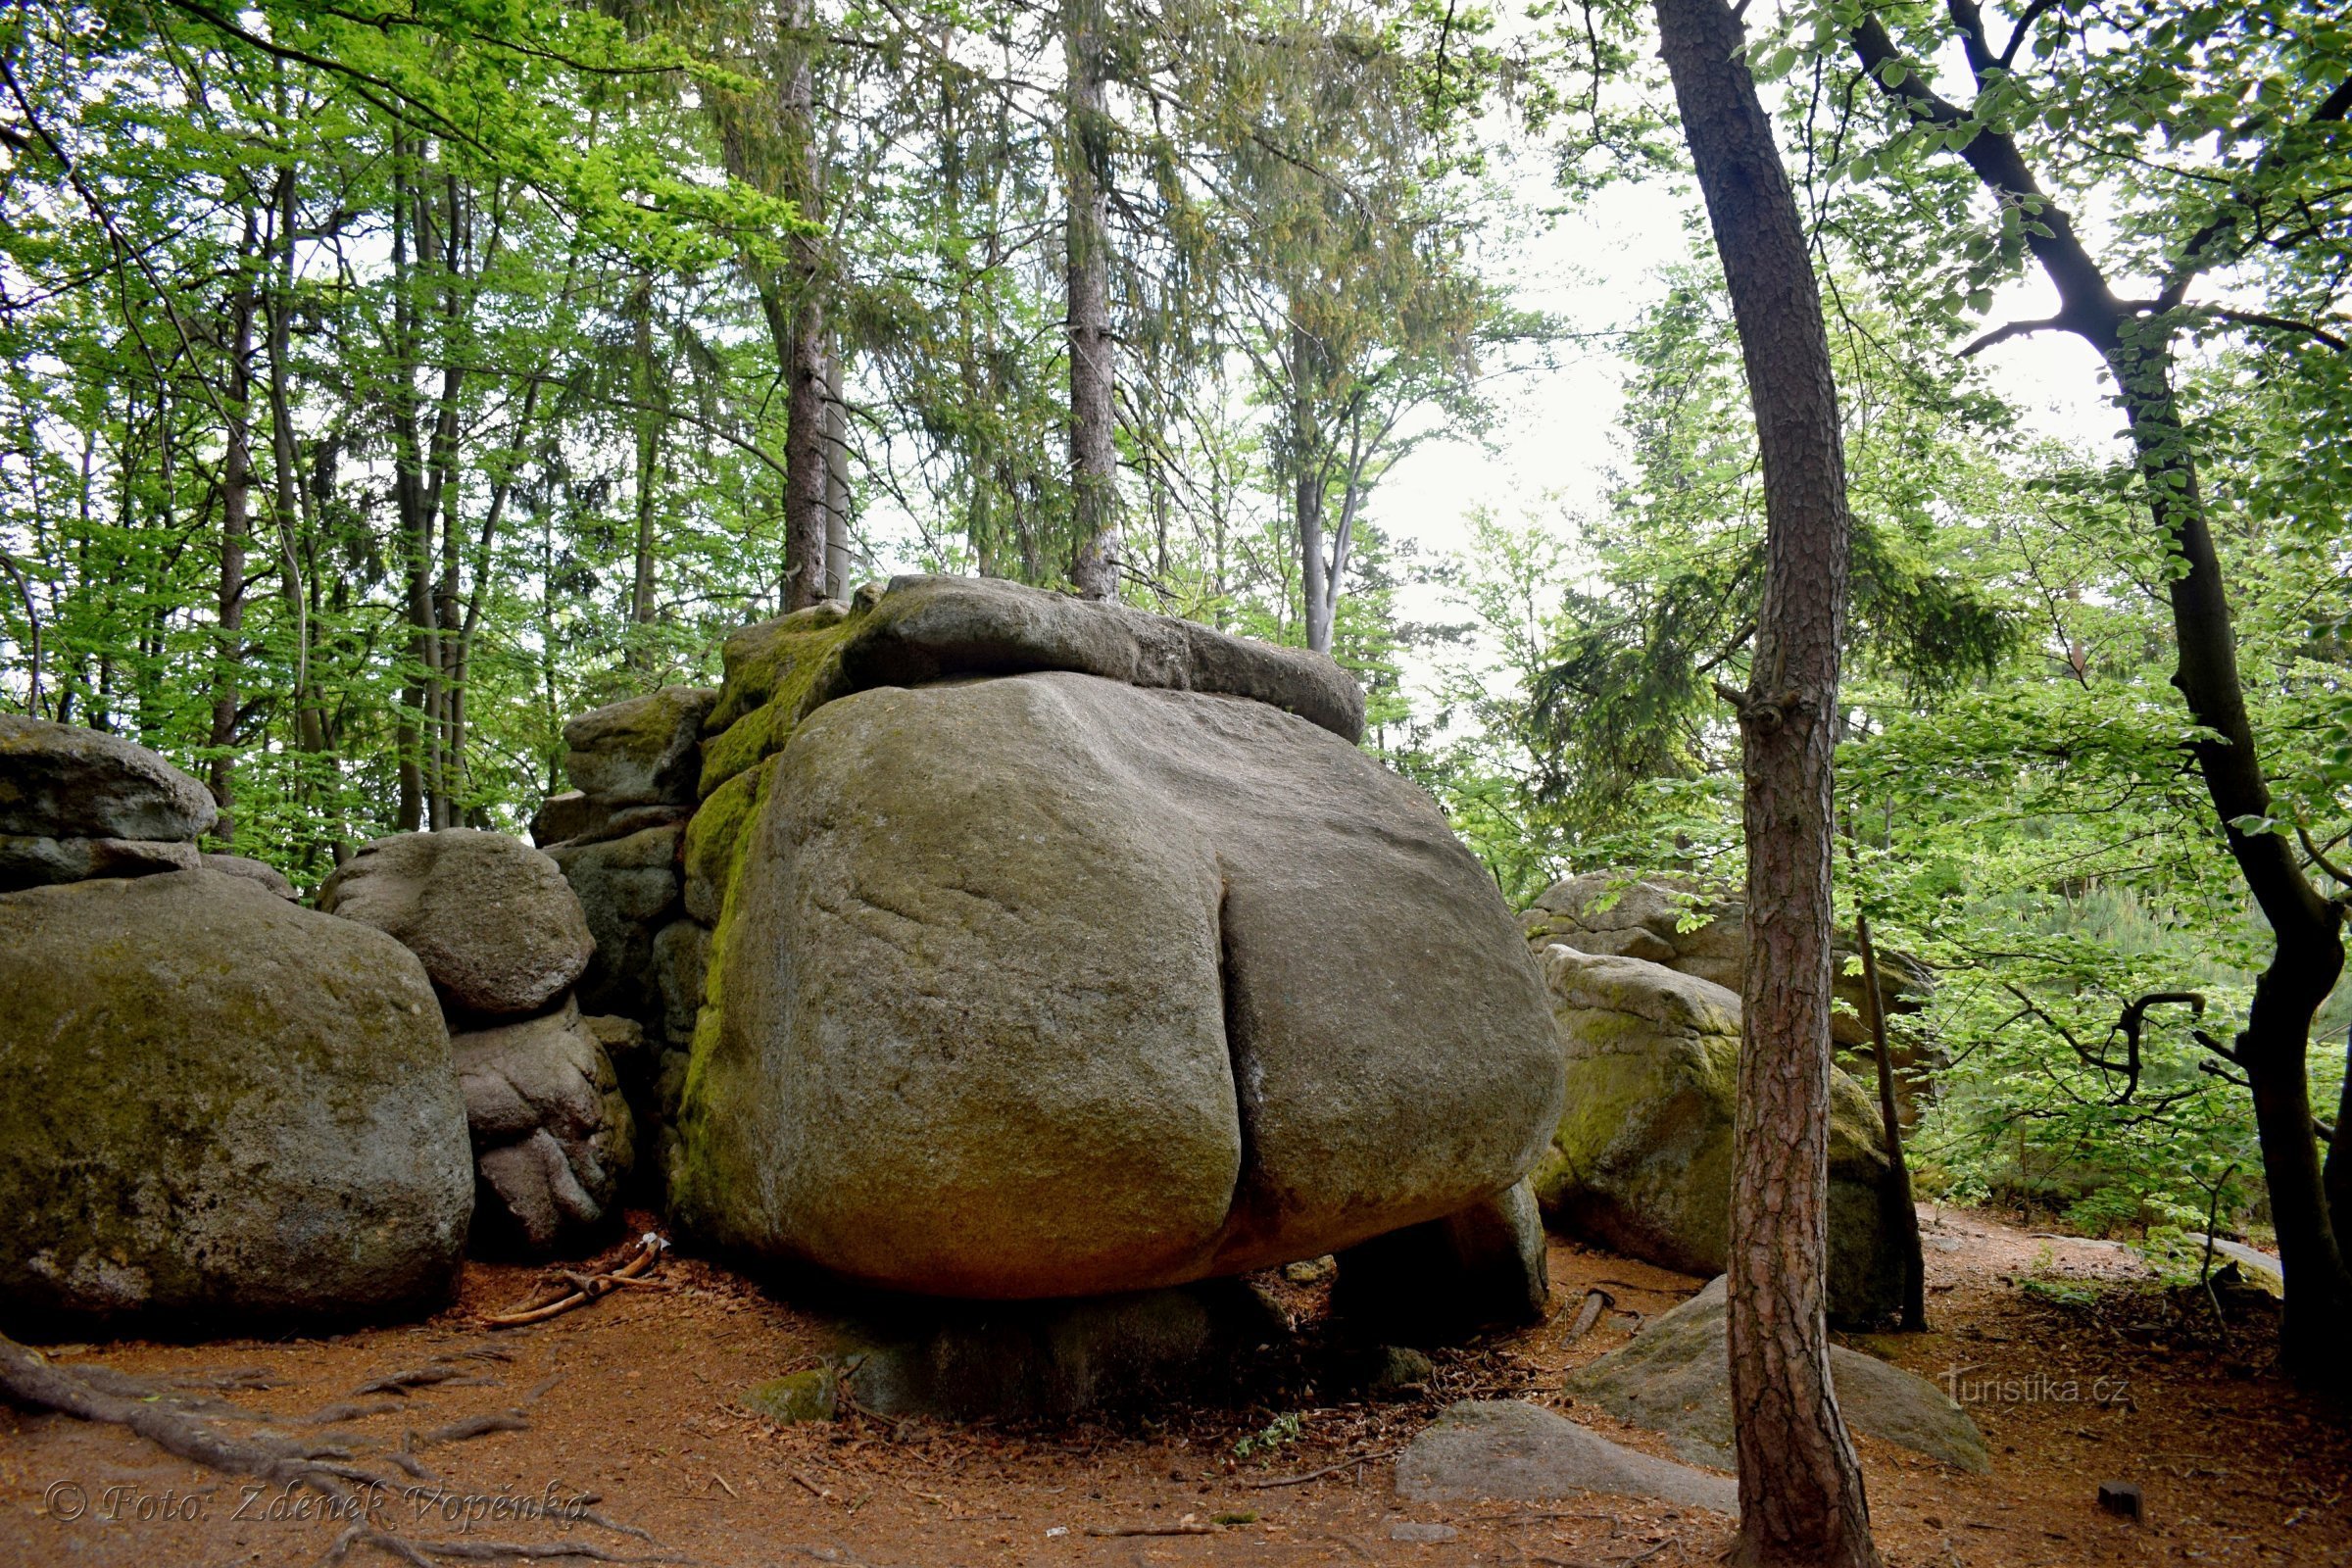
(1675, 1379)
(1614, 915)
(78, 803)
(1642, 1161)
(217, 1106)
(1048, 985)
(492, 918)
(503, 937)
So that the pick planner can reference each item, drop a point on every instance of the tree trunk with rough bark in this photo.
(837, 483)
(1093, 447)
(237, 533)
(1801, 1498)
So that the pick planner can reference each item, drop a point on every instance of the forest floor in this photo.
(2076, 1364)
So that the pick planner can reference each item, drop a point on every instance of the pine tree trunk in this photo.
(1093, 449)
(805, 358)
(837, 483)
(1801, 1498)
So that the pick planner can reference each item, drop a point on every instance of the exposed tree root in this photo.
(422, 1554)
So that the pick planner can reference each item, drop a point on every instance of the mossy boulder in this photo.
(1051, 985)
(1641, 1159)
(218, 1106)
(643, 751)
(497, 927)
(1700, 928)
(628, 889)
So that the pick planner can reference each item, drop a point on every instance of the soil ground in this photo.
(2078, 1367)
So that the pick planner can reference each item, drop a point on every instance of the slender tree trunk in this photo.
(1901, 1218)
(1801, 1497)
(236, 532)
(837, 483)
(2306, 952)
(649, 460)
(1093, 374)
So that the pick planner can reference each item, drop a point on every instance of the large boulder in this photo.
(1048, 985)
(553, 1138)
(1675, 1378)
(261, 873)
(628, 889)
(1642, 1161)
(1702, 929)
(61, 781)
(218, 1105)
(644, 751)
(497, 927)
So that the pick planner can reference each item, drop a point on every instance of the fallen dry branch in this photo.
(1317, 1475)
(578, 1290)
(1595, 1302)
(1113, 1531)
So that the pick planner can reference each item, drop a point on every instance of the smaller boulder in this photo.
(1675, 1379)
(1480, 1267)
(499, 929)
(1642, 1161)
(551, 1135)
(1521, 1452)
(64, 781)
(35, 863)
(260, 873)
(646, 750)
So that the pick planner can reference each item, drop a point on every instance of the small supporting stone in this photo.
(2125, 1499)
(1481, 1267)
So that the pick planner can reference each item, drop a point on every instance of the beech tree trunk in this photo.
(2307, 954)
(236, 532)
(1093, 449)
(1802, 1500)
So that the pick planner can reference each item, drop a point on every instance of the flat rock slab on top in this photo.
(930, 628)
(1675, 1379)
(642, 751)
(1521, 1452)
(63, 781)
(497, 927)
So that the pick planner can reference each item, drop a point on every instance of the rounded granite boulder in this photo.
(216, 1104)
(499, 929)
(1051, 985)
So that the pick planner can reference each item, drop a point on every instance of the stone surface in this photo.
(1481, 1266)
(216, 1104)
(1421, 1533)
(628, 889)
(1642, 1161)
(1675, 1379)
(1612, 915)
(1521, 1452)
(644, 751)
(928, 629)
(561, 818)
(1010, 964)
(1052, 1360)
(551, 1135)
(261, 873)
(66, 782)
(796, 1396)
(494, 920)
(33, 862)
(681, 957)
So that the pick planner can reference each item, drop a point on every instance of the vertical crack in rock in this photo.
(1246, 1074)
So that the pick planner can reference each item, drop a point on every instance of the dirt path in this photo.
(2076, 1369)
